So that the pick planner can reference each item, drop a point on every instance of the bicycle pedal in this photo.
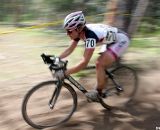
(119, 89)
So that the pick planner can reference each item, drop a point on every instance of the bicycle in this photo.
(59, 96)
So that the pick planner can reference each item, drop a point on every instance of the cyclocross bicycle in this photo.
(52, 103)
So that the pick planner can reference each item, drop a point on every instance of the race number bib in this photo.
(90, 43)
(111, 36)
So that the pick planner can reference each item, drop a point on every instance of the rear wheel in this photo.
(36, 110)
(126, 77)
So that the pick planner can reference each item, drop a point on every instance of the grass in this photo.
(145, 42)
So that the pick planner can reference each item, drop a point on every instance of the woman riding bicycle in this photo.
(113, 41)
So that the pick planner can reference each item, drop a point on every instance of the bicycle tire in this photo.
(25, 105)
(121, 75)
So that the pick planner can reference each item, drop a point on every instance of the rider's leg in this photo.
(105, 60)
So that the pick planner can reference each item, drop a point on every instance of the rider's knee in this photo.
(99, 64)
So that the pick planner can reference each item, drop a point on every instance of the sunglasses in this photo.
(69, 31)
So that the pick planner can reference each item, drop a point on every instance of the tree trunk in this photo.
(17, 11)
(137, 16)
(118, 13)
(130, 5)
(111, 12)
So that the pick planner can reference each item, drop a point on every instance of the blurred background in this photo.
(37, 20)
(31, 27)
(22, 13)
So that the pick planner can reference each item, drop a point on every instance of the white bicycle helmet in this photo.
(73, 20)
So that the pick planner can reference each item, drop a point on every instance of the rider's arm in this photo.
(69, 50)
(83, 63)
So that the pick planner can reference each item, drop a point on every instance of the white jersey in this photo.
(105, 34)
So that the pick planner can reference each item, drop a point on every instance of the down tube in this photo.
(78, 85)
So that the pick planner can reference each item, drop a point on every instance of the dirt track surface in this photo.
(19, 73)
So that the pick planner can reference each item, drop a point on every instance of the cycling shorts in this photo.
(118, 48)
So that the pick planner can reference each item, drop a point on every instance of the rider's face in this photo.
(73, 34)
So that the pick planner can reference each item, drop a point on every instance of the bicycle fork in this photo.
(55, 95)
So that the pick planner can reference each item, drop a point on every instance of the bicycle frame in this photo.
(55, 95)
(57, 90)
(79, 86)
(53, 66)
(82, 89)
(76, 84)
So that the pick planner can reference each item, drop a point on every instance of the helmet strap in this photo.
(80, 29)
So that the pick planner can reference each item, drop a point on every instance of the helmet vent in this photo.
(72, 25)
(77, 18)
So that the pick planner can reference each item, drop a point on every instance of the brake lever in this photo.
(65, 64)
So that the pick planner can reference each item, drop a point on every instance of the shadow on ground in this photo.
(135, 116)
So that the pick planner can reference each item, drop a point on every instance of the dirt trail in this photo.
(19, 72)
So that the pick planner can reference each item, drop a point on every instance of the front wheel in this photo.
(125, 77)
(36, 110)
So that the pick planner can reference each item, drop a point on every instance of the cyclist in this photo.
(113, 41)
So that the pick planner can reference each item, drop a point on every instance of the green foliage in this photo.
(152, 16)
(142, 42)
(147, 28)
(61, 6)
(153, 11)
(49, 10)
